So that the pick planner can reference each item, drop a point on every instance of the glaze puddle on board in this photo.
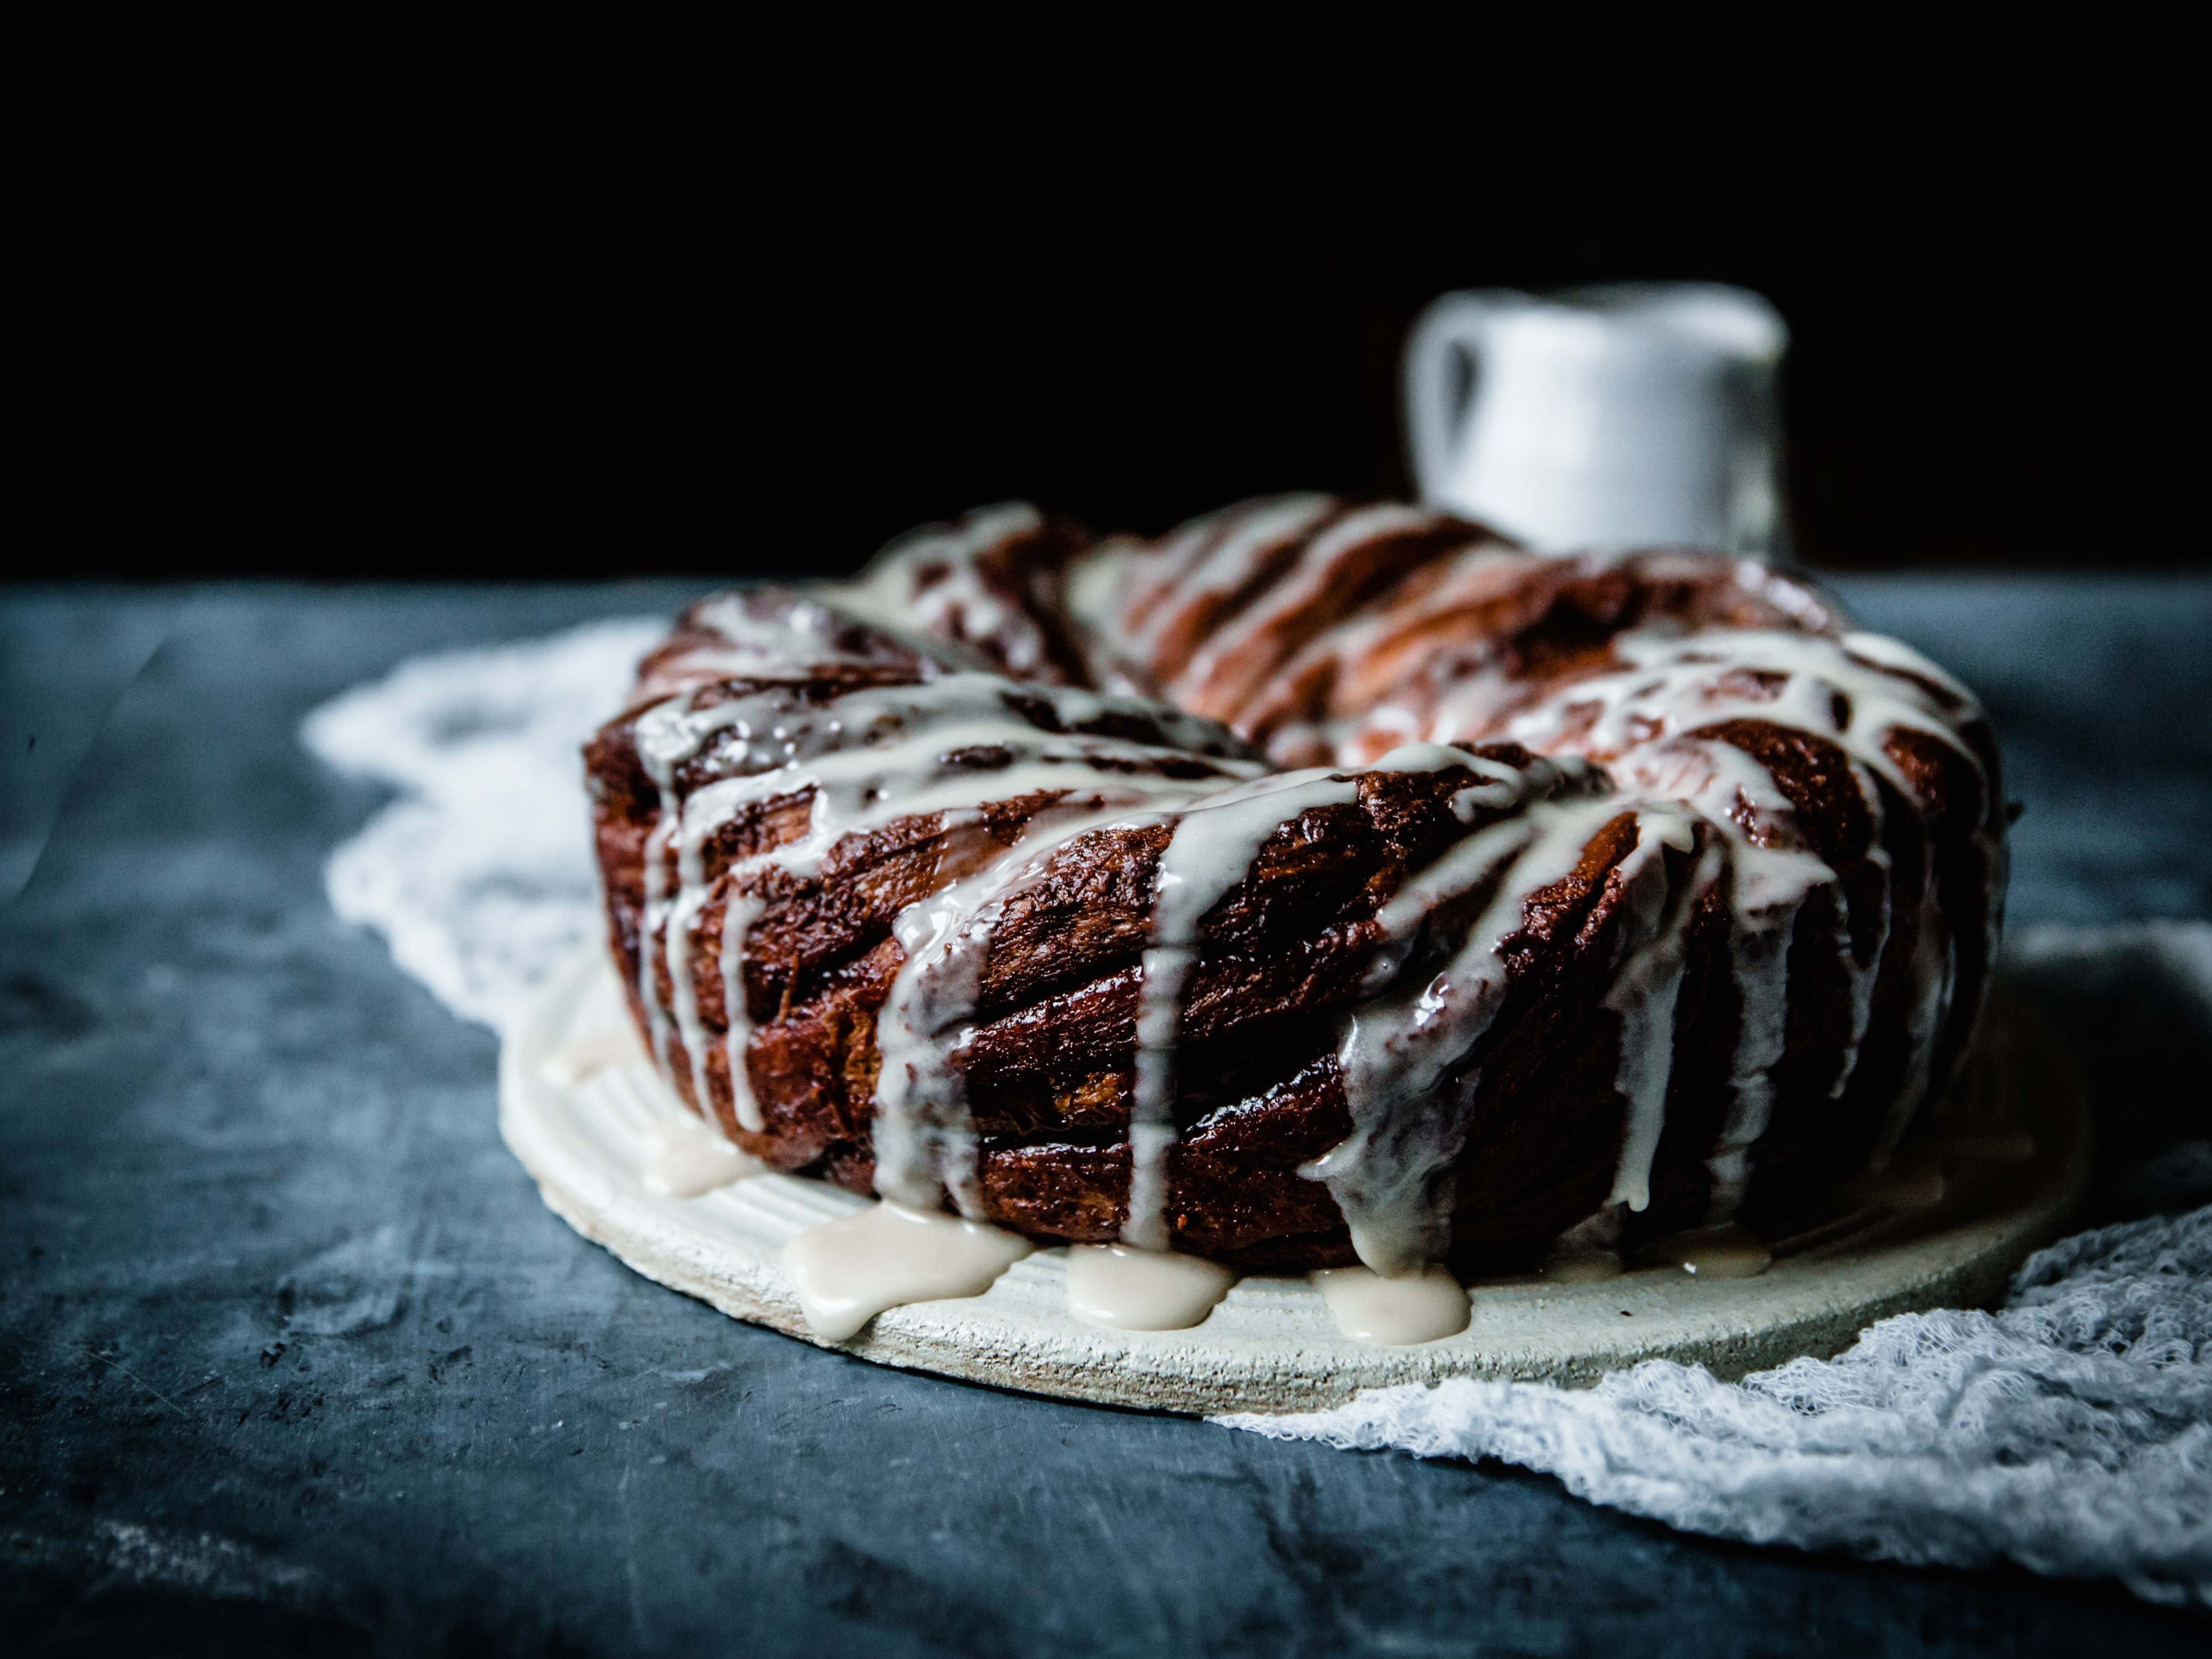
(1420, 1307)
(1133, 1290)
(694, 1158)
(849, 1270)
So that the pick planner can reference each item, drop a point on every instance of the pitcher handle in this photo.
(1455, 324)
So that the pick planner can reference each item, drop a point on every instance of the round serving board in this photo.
(1272, 1345)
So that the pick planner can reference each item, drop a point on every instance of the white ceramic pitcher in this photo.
(1634, 414)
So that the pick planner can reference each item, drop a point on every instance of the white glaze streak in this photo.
(1759, 958)
(1212, 849)
(738, 918)
(1643, 994)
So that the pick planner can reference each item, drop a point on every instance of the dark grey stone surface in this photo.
(291, 1356)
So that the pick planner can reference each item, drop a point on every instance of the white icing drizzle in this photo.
(1860, 975)
(1137, 1289)
(1843, 690)
(1758, 957)
(1211, 850)
(1378, 664)
(1229, 564)
(1639, 720)
(799, 634)
(1643, 994)
(958, 604)
(1303, 586)
(866, 759)
(923, 1136)
(1399, 1051)
(742, 910)
(847, 1271)
(1158, 571)
(655, 916)
(683, 914)
(1425, 1305)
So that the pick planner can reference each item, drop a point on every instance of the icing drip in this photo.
(922, 1136)
(849, 1270)
(1644, 995)
(684, 994)
(1213, 848)
(1673, 684)
(655, 917)
(874, 755)
(738, 918)
(1642, 721)
(1305, 586)
(1425, 1305)
(1759, 958)
(1134, 1290)
(799, 635)
(1399, 1053)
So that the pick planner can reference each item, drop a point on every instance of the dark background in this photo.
(616, 300)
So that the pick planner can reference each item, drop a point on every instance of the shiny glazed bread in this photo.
(1319, 883)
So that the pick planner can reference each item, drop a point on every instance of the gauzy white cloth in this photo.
(481, 874)
(2070, 1433)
